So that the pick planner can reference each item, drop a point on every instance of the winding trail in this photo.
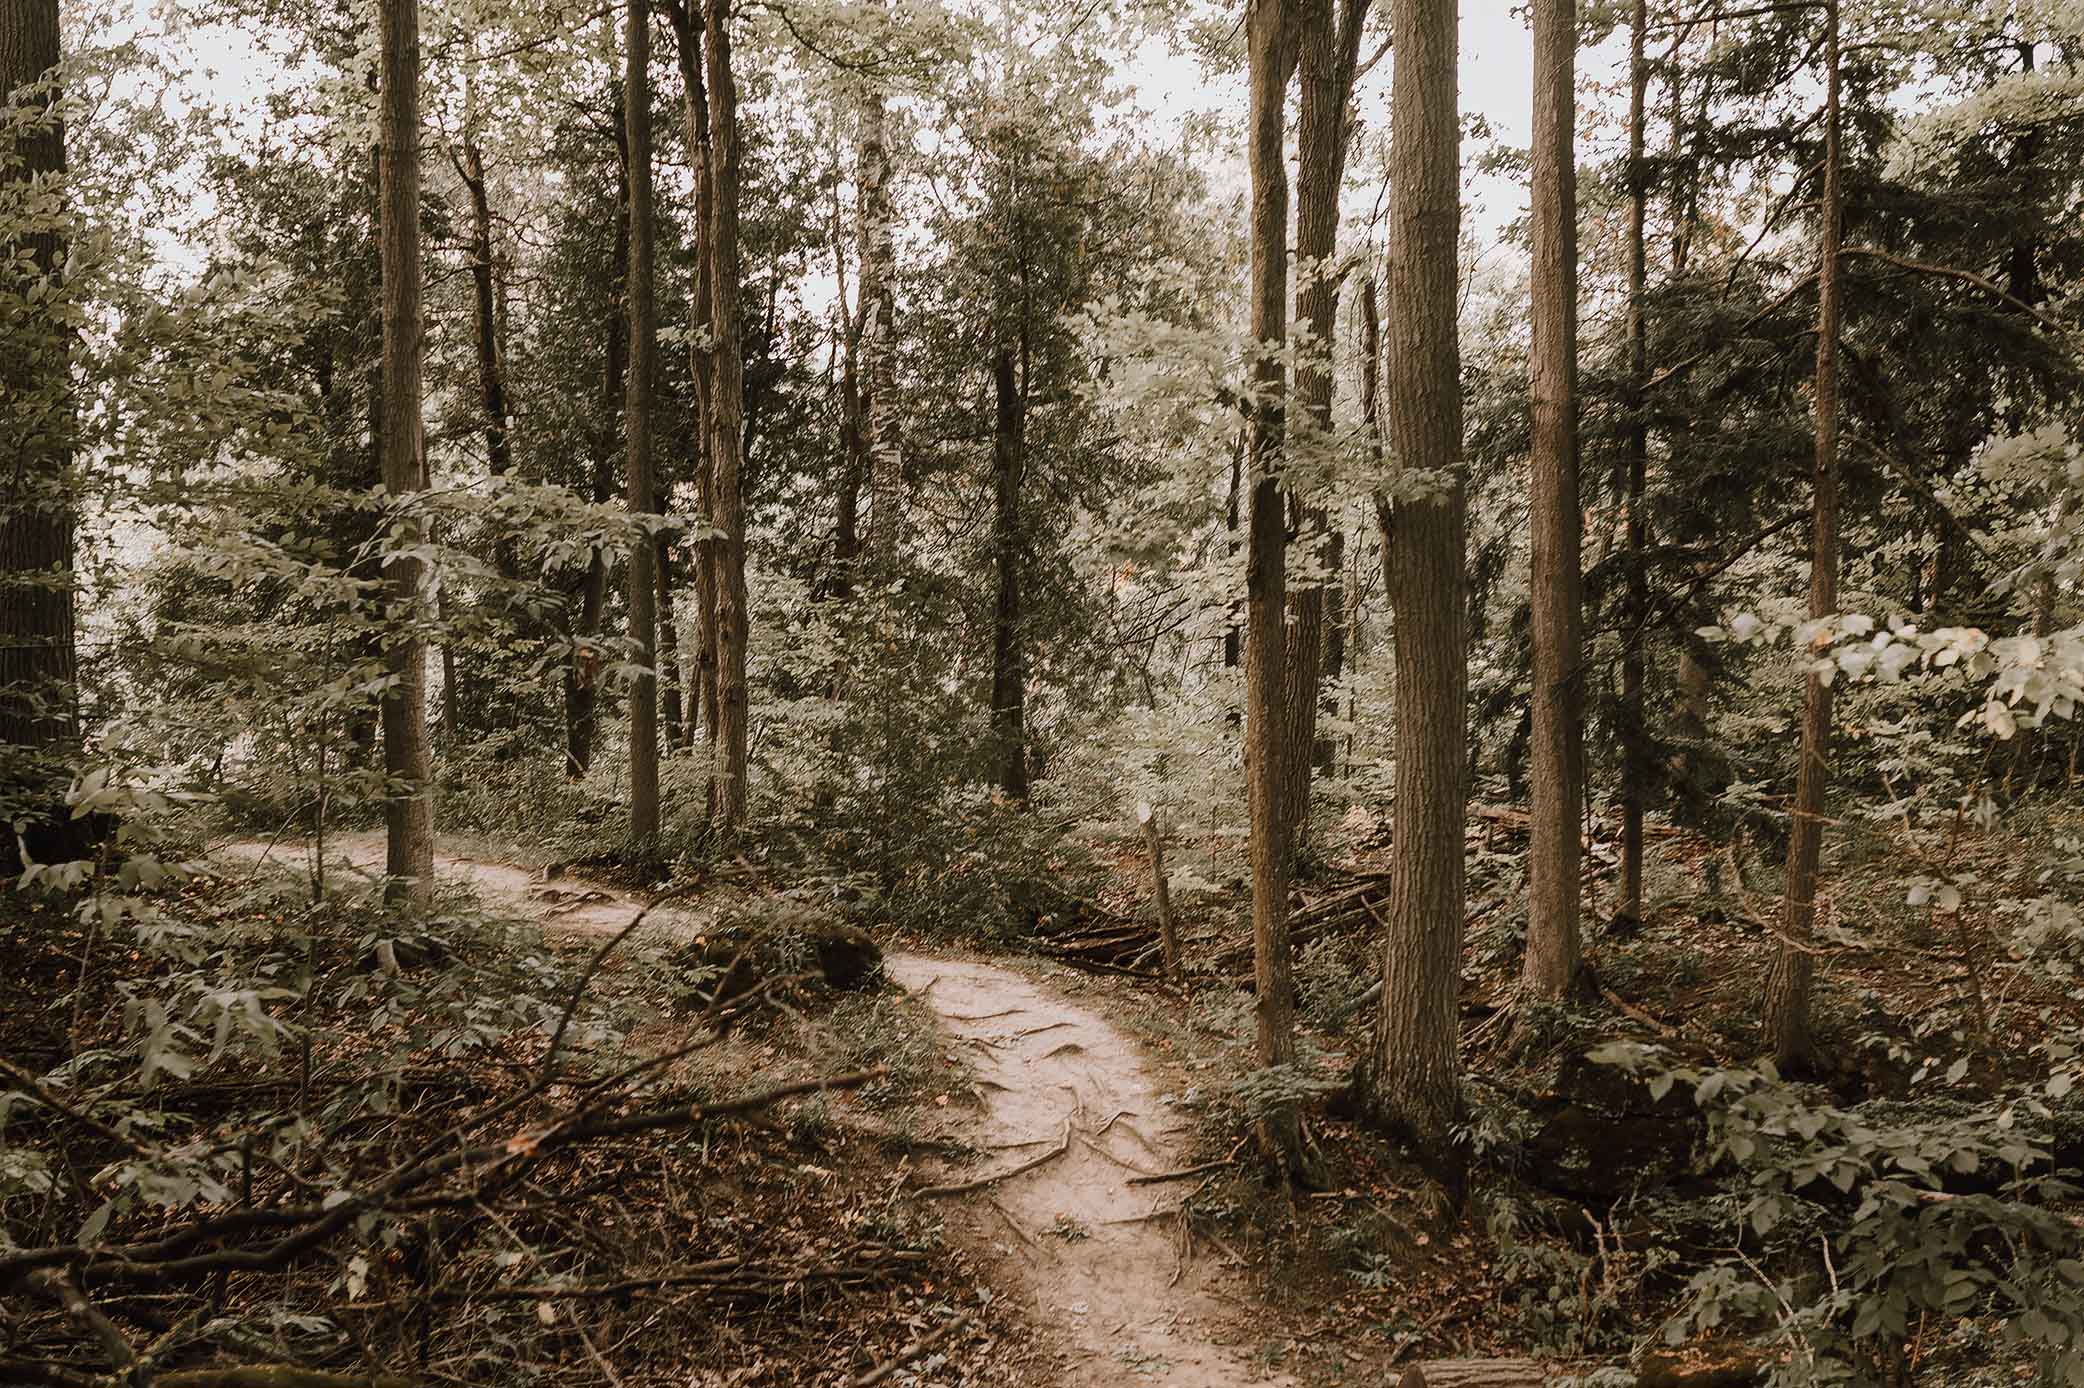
(1069, 1114)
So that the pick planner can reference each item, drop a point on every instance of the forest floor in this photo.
(1074, 1205)
(1054, 1094)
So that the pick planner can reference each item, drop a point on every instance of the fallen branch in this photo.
(913, 1351)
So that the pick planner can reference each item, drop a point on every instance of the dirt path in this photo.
(1102, 1263)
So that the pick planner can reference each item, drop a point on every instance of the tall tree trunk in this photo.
(1272, 39)
(1008, 665)
(727, 422)
(1557, 617)
(38, 643)
(1788, 982)
(581, 677)
(694, 108)
(409, 805)
(492, 394)
(637, 424)
(1328, 54)
(853, 427)
(878, 329)
(1412, 1080)
(1635, 762)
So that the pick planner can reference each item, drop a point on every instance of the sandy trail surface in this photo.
(1069, 1116)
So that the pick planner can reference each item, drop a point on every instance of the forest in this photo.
(772, 693)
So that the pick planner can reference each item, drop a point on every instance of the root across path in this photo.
(1080, 1188)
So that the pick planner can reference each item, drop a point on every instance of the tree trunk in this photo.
(1787, 984)
(1161, 894)
(694, 107)
(581, 677)
(1553, 853)
(727, 424)
(409, 805)
(1328, 55)
(1412, 1079)
(1008, 663)
(878, 327)
(1635, 766)
(670, 715)
(637, 424)
(853, 429)
(1272, 38)
(38, 643)
(492, 394)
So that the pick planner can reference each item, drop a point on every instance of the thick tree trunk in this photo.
(1412, 1079)
(637, 424)
(727, 424)
(1788, 982)
(1558, 715)
(38, 643)
(1272, 39)
(1008, 662)
(409, 807)
(878, 328)
(1635, 764)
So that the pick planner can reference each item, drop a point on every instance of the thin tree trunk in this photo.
(853, 428)
(1788, 982)
(581, 678)
(637, 424)
(409, 806)
(1635, 763)
(1008, 664)
(1553, 854)
(1412, 1080)
(727, 423)
(670, 714)
(1161, 893)
(492, 395)
(38, 642)
(878, 328)
(1328, 55)
(1272, 39)
(694, 107)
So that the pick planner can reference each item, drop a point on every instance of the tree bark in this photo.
(581, 677)
(1412, 1079)
(1327, 57)
(492, 394)
(1788, 982)
(642, 308)
(727, 423)
(702, 707)
(878, 328)
(1161, 893)
(1557, 801)
(1272, 39)
(1008, 662)
(1635, 767)
(38, 642)
(409, 804)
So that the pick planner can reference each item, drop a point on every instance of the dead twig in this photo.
(923, 1345)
